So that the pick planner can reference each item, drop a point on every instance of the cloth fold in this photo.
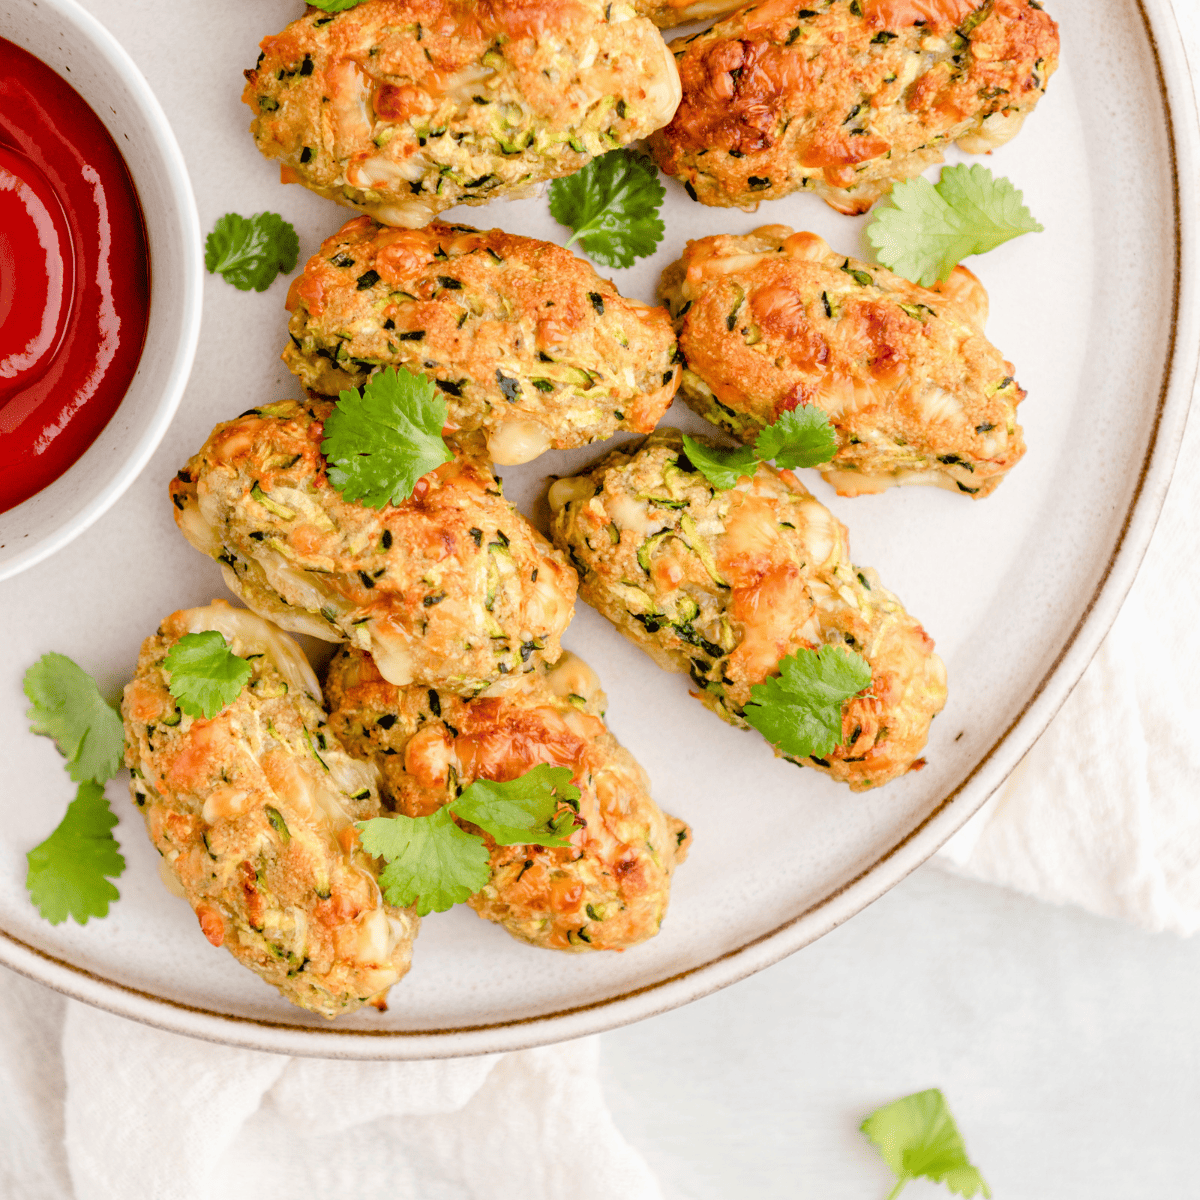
(152, 1114)
(1103, 811)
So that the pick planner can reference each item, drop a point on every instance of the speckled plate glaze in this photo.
(1099, 314)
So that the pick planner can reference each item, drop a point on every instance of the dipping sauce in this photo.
(74, 276)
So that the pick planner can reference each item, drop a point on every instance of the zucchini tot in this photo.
(404, 108)
(607, 890)
(914, 391)
(721, 585)
(452, 588)
(253, 813)
(525, 342)
(844, 98)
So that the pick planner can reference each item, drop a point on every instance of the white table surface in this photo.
(1068, 1046)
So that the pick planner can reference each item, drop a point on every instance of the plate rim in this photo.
(1177, 94)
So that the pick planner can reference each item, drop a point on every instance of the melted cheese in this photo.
(519, 441)
(380, 172)
(571, 676)
(199, 531)
(390, 650)
(170, 880)
(295, 585)
(563, 491)
(664, 91)
(628, 513)
(993, 132)
(224, 803)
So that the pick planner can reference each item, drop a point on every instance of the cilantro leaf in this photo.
(928, 229)
(68, 707)
(429, 860)
(722, 468)
(800, 709)
(206, 675)
(379, 441)
(434, 863)
(250, 251)
(522, 811)
(800, 438)
(334, 6)
(917, 1136)
(612, 206)
(68, 872)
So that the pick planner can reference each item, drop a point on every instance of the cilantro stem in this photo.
(901, 1184)
(587, 227)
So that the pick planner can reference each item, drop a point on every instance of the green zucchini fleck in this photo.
(701, 547)
(739, 298)
(859, 277)
(279, 824)
(646, 550)
(279, 510)
(313, 750)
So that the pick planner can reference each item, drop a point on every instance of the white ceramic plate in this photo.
(1099, 314)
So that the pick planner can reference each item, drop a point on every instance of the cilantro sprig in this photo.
(68, 707)
(917, 1136)
(334, 6)
(381, 439)
(69, 873)
(250, 251)
(800, 438)
(434, 863)
(429, 859)
(205, 673)
(928, 229)
(800, 710)
(612, 207)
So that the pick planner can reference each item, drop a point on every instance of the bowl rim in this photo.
(1181, 361)
(190, 283)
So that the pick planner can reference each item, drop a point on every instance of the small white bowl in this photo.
(64, 36)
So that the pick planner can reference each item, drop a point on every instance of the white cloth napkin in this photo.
(153, 1116)
(150, 1114)
(1103, 812)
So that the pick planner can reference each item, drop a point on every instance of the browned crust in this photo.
(609, 889)
(455, 574)
(774, 102)
(914, 390)
(512, 328)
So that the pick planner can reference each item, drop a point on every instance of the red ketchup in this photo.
(74, 276)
